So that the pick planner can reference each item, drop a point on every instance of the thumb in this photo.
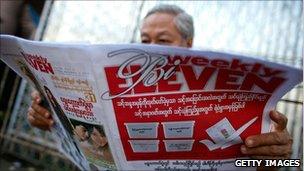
(280, 120)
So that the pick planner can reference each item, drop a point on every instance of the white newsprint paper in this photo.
(150, 107)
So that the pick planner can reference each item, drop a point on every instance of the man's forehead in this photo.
(159, 32)
(159, 19)
(159, 23)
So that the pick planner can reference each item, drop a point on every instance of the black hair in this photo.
(99, 129)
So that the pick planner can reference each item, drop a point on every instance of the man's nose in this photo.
(153, 42)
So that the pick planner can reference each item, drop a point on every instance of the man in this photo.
(81, 132)
(170, 25)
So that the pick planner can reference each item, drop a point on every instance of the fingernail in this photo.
(275, 114)
(47, 114)
(243, 149)
(51, 122)
(249, 143)
(38, 100)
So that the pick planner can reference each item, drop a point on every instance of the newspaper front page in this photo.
(149, 107)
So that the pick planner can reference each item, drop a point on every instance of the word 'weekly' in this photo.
(38, 62)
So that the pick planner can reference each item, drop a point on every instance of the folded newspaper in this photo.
(149, 107)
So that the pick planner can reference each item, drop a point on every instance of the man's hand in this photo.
(37, 115)
(274, 145)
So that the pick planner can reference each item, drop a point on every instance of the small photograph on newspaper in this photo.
(94, 144)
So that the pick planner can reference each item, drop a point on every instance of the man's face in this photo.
(98, 139)
(81, 132)
(159, 28)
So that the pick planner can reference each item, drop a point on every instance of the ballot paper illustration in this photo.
(224, 135)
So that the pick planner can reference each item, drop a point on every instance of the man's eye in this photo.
(164, 41)
(145, 41)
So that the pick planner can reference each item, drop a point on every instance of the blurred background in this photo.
(272, 30)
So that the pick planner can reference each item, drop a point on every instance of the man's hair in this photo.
(182, 20)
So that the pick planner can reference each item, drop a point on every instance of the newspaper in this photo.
(150, 107)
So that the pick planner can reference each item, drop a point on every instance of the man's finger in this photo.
(271, 138)
(42, 124)
(279, 119)
(37, 124)
(272, 150)
(39, 118)
(41, 110)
